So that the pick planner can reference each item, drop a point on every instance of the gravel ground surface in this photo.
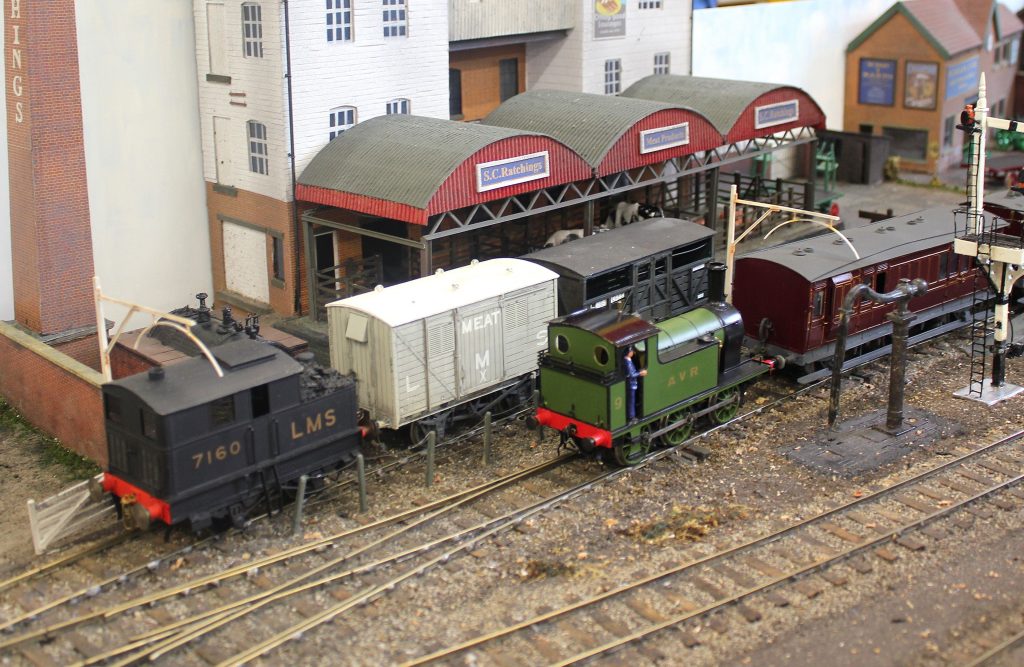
(935, 607)
(939, 606)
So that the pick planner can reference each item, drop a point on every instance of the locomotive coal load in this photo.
(427, 351)
(694, 368)
(187, 445)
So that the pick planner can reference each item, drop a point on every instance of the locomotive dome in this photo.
(446, 290)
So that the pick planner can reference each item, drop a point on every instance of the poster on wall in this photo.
(921, 85)
(609, 18)
(876, 82)
(962, 78)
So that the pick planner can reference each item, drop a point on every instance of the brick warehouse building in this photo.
(910, 73)
(272, 96)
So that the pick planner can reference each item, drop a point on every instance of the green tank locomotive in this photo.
(694, 367)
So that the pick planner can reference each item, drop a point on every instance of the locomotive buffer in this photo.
(1000, 256)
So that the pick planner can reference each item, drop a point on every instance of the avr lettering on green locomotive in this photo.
(684, 374)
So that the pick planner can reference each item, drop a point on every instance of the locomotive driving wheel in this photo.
(728, 411)
(681, 434)
(631, 452)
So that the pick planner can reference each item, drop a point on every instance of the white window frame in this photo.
(398, 106)
(395, 18)
(341, 119)
(663, 62)
(339, 20)
(613, 76)
(259, 152)
(252, 30)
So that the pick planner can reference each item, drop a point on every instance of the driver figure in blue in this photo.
(631, 383)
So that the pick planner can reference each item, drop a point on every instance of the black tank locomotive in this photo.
(186, 445)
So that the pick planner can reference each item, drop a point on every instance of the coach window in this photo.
(943, 265)
(260, 400)
(561, 343)
(222, 411)
(819, 303)
(880, 282)
(601, 356)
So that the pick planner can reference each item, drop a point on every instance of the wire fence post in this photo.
(431, 442)
(299, 500)
(361, 475)
(487, 438)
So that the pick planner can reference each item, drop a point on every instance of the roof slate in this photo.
(721, 101)
(373, 158)
(589, 124)
(940, 22)
(1008, 23)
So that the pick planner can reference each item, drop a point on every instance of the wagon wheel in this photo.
(631, 452)
(729, 411)
(681, 434)
(418, 430)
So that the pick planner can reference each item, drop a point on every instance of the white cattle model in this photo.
(625, 213)
(453, 345)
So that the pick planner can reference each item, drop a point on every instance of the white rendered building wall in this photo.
(257, 92)
(578, 62)
(797, 43)
(366, 72)
(143, 157)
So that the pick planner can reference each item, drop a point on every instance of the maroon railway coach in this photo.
(791, 295)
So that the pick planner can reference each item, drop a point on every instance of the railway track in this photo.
(801, 559)
(163, 636)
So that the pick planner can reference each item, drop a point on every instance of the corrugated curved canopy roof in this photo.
(399, 158)
(722, 101)
(589, 124)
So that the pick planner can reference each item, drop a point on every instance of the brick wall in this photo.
(258, 211)
(51, 236)
(59, 395)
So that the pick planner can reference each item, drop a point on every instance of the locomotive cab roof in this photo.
(246, 364)
(616, 328)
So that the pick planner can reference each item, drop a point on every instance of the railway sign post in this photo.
(800, 215)
(1000, 256)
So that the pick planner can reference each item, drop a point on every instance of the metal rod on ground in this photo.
(431, 442)
(539, 433)
(487, 438)
(361, 474)
(300, 499)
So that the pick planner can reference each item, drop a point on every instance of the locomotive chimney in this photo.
(156, 373)
(716, 282)
(204, 311)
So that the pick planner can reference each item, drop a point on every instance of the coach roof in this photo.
(825, 255)
(600, 252)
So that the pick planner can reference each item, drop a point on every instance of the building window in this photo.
(398, 106)
(612, 76)
(394, 18)
(455, 94)
(277, 256)
(508, 74)
(259, 161)
(252, 29)
(649, 4)
(339, 20)
(661, 63)
(342, 119)
(947, 131)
